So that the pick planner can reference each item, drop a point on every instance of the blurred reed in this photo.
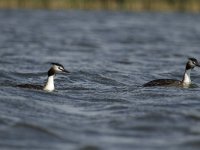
(132, 5)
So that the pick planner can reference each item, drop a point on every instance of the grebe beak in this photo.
(65, 71)
(198, 65)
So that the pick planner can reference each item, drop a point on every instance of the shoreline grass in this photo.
(130, 5)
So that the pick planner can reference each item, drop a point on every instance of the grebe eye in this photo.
(60, 68)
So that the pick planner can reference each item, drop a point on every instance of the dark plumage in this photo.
(30, 86)
(163, 82)
(57, 64)
(51, 72)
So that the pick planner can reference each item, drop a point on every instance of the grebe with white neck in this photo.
(186, 80)
(49, 85)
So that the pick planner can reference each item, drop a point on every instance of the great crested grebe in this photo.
(49, 86)
(185, 82)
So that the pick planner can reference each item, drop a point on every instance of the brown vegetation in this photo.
(133, 5)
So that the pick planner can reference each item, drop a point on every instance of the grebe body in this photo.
(49, 85)
(185, 82)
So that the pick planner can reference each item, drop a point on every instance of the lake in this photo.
(101, 104)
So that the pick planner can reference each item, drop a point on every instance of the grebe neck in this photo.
(49, 86)
(186, 77)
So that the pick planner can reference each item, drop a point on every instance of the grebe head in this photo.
(56, 68)
(192, 62)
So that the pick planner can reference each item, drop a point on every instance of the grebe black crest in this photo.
(185, 82)
(49, 86)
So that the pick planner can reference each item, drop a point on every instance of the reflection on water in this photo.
(101, 104)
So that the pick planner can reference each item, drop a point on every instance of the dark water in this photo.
(101, 105)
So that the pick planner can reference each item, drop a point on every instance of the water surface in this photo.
(101, 104)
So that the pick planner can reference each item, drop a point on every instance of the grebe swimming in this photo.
(49, 86)
(185, 82)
